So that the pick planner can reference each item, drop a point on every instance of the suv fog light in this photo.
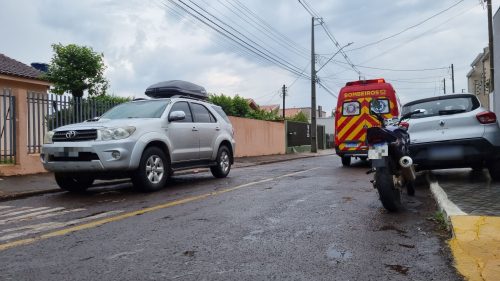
(116, 154)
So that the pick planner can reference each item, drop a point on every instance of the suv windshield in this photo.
(137, 109)
(437, 107)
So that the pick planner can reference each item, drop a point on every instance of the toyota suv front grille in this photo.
(75, 135)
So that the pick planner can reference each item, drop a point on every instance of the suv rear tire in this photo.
(71, 183)
(153, 170)
(221, 170)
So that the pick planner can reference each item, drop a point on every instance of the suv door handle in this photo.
(195, 129)
(217, 128)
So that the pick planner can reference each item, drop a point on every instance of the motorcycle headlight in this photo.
(47, 139)
(115, 133)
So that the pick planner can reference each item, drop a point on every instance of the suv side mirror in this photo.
(176, 116)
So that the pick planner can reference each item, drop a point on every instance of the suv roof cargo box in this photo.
(172, 88)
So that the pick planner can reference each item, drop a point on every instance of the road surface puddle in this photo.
(338, 254)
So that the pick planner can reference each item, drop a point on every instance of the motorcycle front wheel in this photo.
(389, 195)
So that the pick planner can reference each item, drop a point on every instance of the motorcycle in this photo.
(388, 151)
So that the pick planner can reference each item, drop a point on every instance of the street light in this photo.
(348, 44)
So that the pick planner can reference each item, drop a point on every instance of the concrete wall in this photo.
(25, 163)
(256, 137)
(328, 122)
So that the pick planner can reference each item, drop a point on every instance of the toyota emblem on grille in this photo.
(70, 134)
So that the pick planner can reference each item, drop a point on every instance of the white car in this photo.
(454, 131)
(145, 140)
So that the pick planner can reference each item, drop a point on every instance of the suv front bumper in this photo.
(87, 156)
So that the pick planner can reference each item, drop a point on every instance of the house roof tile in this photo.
(13, 67)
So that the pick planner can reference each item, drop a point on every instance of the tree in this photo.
(300, 117)
(77, 69)
(238, 106)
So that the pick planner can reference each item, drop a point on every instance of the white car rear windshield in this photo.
(442, 107)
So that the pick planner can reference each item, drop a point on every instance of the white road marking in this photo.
(37, 228)
(23, 211)
(49, 215)
(12, 210)
(30, 215)
(5, 207)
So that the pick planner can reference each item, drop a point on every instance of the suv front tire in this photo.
(153, 170)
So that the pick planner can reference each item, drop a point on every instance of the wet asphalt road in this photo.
(307, 219)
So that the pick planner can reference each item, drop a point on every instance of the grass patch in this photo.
(440, 219)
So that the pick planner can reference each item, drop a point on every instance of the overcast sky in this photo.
(145, 42)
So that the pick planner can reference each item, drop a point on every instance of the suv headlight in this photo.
(115, 133)
(47, 139)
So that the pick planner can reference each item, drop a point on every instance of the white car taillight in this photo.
(404, 124)
(486, 117)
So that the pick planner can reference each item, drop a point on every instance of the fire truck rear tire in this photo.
(346, 161)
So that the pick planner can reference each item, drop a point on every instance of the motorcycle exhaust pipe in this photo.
(405, 161)
(407, 169)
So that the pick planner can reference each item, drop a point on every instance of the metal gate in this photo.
(47, 112)
(7, 127)
(320, 133)
(298, 133)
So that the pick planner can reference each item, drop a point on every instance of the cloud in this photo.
(145, 42)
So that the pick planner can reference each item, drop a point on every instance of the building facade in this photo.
(478, 78)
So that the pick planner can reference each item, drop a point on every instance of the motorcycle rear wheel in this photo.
(389, 195)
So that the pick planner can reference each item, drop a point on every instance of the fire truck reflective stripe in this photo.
(354, 124)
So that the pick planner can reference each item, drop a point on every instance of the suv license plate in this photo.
(377, 151)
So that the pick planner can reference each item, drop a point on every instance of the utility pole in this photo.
(444, 85)
(452, 79)
(314, 143)
(283, 92)
(490, 39)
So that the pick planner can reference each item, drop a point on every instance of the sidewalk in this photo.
(29, 185)
(472, 205)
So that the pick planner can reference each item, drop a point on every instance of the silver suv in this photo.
(146, 140)
(454, 131)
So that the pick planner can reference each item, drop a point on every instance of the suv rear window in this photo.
(446, 106)
(221, 112)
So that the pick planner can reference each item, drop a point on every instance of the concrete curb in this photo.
(445, 205)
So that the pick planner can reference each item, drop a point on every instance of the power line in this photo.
(233, 44)
(406, 29)
(427, 32)
(231, 36)
(401, 70)
(314, 14)
(279, 37)
(281, 61)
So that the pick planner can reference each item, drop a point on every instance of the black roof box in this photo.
(171, 88)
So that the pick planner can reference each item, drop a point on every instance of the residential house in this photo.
(16, 80)
(478, 78)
